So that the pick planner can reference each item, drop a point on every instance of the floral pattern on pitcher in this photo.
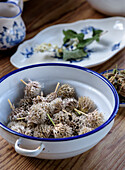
(10, 37)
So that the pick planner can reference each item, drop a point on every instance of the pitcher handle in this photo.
(18, 2)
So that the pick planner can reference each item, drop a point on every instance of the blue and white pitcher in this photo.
(12, 28)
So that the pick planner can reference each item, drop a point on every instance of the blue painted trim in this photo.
(74, 137)
(109, 72)
(20, 10)
(28, 52)
(116, 46)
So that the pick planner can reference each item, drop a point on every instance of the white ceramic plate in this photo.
(110, 43)
(121, 104)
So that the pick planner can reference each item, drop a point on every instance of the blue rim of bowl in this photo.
(116, 107)
(109, 72)
(20, 10)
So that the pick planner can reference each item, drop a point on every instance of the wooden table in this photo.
(107, 154)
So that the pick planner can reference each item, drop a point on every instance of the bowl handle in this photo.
(27, 152)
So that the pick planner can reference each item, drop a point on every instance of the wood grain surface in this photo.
(108, 154)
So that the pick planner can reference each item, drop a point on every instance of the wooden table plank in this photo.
(110, 152)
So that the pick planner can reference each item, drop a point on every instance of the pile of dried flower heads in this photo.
(58, 115)
(117, 78)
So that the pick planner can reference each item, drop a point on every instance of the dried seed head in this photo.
(50, 97)
(94, 119)
(29, 131)
(69, 104)
(37, 114)
(18, 113)
(61, 117)
(86, 104)
(55, 106)
(62, 131)
(39, 99)
(66, 91)
(43, 131)
(25, 103)
(77, 123)
(84, 129)
(17, 126)
(32, 89)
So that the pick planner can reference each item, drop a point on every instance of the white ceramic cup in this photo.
(109, 7)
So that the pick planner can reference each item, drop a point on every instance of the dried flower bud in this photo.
(37, 114)
(17, 126)
(32, 89)
(61, 117)
(18, 113)
(69, 104)
(50, 97)
(94, 119)
(62, 131)
(39, 99)
(84, 129)
(29, 131)
(66, 91)
(55, 106)
(25, 103)
(43, 131)
(86, 104)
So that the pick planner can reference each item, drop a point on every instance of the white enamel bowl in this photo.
(86, 83)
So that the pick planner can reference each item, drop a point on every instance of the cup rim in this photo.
(13, 3)
(115, 110)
